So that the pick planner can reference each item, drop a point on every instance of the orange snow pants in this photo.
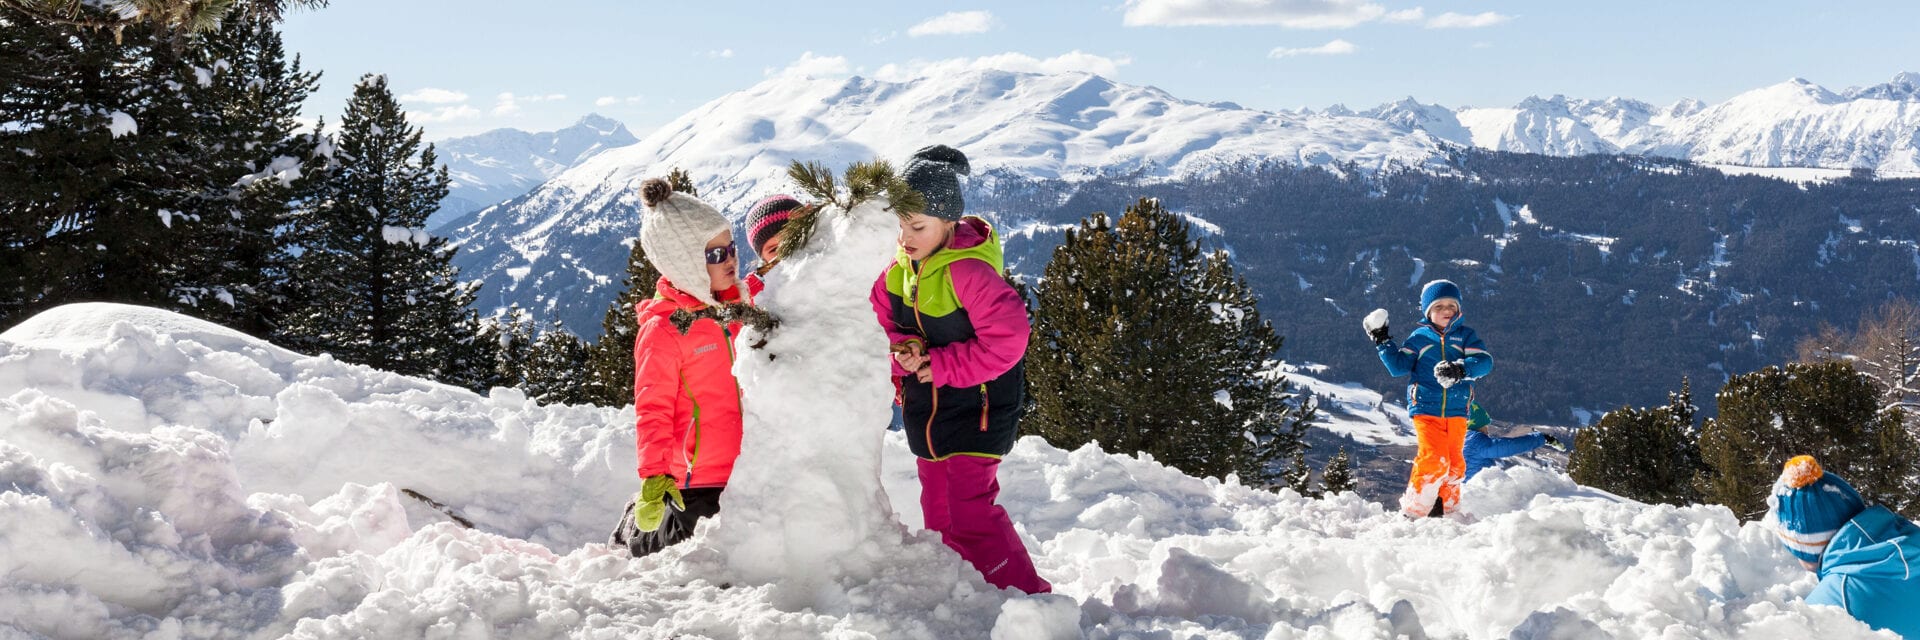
(1439, 467)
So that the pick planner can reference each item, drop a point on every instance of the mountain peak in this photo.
(598, 122)
(1905, 87)
(1794, 89)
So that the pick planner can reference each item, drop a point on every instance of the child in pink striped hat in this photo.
(764, 222)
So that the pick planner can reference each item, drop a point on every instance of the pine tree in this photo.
(255, 168)
(1337, 477)
(609, 381)
(1144, 344)
(129, 177)
(377, 289)
(553, 368)
(1648, 454)
(1299, 475)
(86, 161)
(512, 339)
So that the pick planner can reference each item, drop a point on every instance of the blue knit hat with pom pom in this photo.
(1809, 505)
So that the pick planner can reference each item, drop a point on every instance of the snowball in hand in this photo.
(1375, 320)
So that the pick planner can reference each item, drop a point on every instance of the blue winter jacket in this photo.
(1422, 350)
(1872, 569)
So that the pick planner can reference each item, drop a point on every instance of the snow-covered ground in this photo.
(167, 478)
(1352, 410)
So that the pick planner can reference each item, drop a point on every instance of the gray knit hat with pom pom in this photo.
(935, 172)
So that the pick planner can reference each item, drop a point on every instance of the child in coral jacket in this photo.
(686, 401)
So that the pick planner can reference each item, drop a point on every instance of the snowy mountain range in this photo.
(501, 164)
(560, 248)
(1791, 124)
(557, 250)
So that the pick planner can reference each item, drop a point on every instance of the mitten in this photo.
(1376, 326)
(651, 507)
(1449, 373)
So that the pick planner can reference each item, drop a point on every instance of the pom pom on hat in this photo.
(1801, 471)
(654, 191)
(1809, 505)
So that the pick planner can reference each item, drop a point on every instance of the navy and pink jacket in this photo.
(975, 328)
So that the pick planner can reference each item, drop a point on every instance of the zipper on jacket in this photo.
(923, 334)
(983, 408)
(1444, 391)
(693, 454)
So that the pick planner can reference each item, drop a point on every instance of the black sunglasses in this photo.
(720, 255)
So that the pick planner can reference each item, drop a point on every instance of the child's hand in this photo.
(911, 361)
(925, 373)
(1376, 326)
(1449, 373)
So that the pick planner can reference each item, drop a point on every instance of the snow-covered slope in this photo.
(163, 477)
(556, 250)
(502, 164)
(1792, 124)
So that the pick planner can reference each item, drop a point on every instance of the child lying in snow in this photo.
(1865, 556)
(1483, 450)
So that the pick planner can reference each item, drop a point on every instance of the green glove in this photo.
(651, 507)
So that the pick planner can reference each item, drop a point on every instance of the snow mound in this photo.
(156, 486)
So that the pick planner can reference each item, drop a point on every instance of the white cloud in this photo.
(608, 101)
(812, 66)
(1295, 14)
(505, 105)
(954, 23)
(431, 95)
(1415, 14)
(720, 53)
(1335, 48)
(1451, 20)
(444, 114)
(1020, 62)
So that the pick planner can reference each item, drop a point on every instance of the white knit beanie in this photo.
(674, 230)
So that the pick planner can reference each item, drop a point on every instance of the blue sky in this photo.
(468, 66)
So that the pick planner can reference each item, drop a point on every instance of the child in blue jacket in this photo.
(1866, 557)
(1444, 357)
